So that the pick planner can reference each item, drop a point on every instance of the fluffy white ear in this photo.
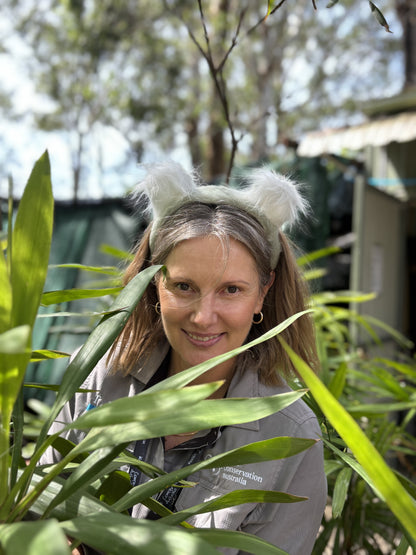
(164, 185)
(276, 196)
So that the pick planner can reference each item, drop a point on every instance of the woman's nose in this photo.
(204, 311)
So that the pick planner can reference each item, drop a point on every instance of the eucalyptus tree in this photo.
(100, 64)
(226, 80)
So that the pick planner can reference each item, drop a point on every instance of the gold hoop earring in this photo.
(260, 318)
(157, 308)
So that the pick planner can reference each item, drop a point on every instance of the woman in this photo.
(230, 276)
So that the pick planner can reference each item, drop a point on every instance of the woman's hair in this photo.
(287, 295)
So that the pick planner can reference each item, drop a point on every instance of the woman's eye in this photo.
(232, 289)
(182, 286)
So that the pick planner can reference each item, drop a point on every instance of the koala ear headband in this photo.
(269, 197)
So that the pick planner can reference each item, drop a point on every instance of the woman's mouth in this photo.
(206, 340)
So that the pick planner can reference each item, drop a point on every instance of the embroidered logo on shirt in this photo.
(240, 476)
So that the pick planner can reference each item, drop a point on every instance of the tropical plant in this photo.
(38, 509)
(379, 397)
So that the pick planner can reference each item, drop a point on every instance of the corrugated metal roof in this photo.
(399, 128)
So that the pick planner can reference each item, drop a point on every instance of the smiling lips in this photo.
(208, 340)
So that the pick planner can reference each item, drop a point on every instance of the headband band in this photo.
(269, 197)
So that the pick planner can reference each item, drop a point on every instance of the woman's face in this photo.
(207, 301)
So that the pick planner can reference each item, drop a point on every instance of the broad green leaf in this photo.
(339, 497)
(267, 450)
(29, 246)
(336, 386)
(114, 487)
(68, 295)
(231, 499)
(15, 340)
(238, 540)
(144, 407)
(33, 538)
(32, 236)
(91, 469)
(5, 295)
(128, 536)
(183, 378)
(98, 342)
(210, 414)
(79, 504)
(394, 494)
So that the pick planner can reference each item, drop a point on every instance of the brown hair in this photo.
(287, 296)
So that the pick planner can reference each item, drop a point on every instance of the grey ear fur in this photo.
(276, 196)
(164, 184)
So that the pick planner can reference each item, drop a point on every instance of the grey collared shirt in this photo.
(290, 526)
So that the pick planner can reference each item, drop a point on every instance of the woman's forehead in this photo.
(211, 253)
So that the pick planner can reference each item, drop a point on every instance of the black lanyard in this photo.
(169, 496)
(140, 450)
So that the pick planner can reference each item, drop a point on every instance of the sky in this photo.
(21, 146)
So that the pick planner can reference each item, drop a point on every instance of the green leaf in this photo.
(183, 378)
(98, 343)
(28, 264)
(68, 295)
(79, 504)
(32, 236)
(117, 253)
(316, 255)
(45, 354)
(5, 295)
(336, 386)
(15, 341)
(144, 406)
(232, 499)
(33, 538)
(379, 16)
(114, 487)
(246, 543)
(109, 270)
(91, 469)
(379, 408)
(394, 494)
(399, 337)
(317, 273)
(340, 491)
(210, 413)
(128, 536)
(267, 450)
(335, 297)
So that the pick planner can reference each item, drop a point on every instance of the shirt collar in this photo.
(146, 367)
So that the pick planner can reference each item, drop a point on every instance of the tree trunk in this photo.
(406, 10)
